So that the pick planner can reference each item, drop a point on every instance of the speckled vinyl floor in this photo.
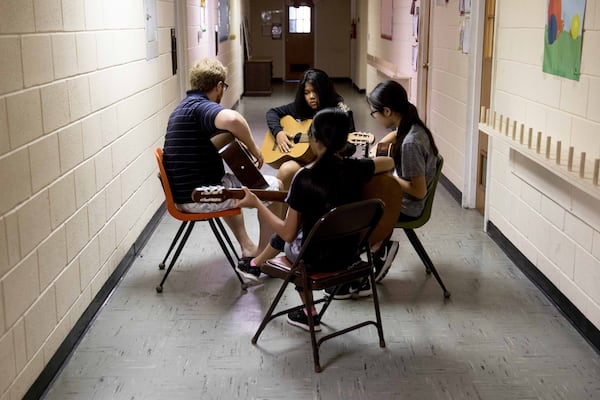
(498, 337)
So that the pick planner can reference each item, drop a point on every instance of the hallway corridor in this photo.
(497, 337)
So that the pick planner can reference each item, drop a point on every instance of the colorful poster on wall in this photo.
(563, 38)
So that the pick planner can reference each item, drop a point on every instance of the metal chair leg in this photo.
(379, 323)
(159, 288)
(173, 243)
(227, 238)
(269, 315)
(414, 240)
(218, 235)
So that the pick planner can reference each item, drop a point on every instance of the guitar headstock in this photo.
(361, 138)
(211, 194)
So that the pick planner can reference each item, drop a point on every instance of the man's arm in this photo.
(234, 122)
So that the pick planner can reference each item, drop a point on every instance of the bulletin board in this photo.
(223, 20)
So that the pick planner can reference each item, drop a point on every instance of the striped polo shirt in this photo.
(190, 158)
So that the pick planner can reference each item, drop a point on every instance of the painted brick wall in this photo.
(448, 86)
(81, 110)
(556, 225)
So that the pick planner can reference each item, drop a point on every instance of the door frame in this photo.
(473, 105)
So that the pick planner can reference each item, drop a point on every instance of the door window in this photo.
(299, 19)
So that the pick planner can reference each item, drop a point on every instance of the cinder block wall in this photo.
(551, 221)
(81, 109)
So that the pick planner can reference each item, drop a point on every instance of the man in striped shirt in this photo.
(190, 158)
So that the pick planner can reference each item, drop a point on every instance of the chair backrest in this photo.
(426, 214)
(359, 218)
(165, 183)
(172, 209)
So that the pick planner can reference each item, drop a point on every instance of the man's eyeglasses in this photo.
(372, 113)
(225, 86)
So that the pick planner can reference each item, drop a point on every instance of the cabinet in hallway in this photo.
(257, 77)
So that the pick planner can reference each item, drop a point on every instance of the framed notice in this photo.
(223, 20)
(387, 7)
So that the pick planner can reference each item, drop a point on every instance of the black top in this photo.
(313, 193)
(275, 114)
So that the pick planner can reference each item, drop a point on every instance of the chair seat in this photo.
(187, 224)
(280, 267)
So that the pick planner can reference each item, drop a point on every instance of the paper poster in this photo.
(563, 38)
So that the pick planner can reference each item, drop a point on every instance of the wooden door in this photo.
(485, 99)
(299, 41)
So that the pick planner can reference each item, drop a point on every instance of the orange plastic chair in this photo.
(188, 220)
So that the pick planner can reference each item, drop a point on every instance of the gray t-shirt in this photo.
(417, 160)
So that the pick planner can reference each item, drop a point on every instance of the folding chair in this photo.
(410, 226)
(188, 220)
(353, 221)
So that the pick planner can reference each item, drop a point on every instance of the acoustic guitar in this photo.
(240, 161)
(300, 152)
(382, 186)
(385, 187)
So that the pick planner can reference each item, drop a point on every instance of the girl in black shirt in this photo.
(315, 92)
(328, 182)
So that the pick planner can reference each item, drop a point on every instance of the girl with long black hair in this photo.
(328, 182)
(315, 92)
(415, 156)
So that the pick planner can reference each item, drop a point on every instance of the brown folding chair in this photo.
(354, 220)
(188, 220)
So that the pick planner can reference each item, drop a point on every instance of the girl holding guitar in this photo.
(326, 183)
(315, 92)
(414, 152)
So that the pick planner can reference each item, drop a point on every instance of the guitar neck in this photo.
(216, 194)
(266, 195)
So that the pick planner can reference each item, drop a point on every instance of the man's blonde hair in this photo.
(206, 74)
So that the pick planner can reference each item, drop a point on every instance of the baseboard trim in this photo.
(64, 351)
(564, 305)
(453, 190)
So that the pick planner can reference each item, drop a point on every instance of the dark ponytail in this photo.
(392, 95)
(330, 126)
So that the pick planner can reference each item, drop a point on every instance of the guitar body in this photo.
(239, 160)
(300, 152)
(385, 187)
(384, 149)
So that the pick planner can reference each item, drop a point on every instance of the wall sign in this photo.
(223, 20)
(387, 8)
